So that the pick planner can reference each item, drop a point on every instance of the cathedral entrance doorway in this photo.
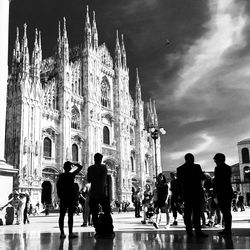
(46, 192)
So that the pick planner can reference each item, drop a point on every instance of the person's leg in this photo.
(225, 206)
(71, 211)
(94, 209)
(63, 210)
(188, 218)
(86, 214)
(174, 210)
(197, 216)
(167, 215)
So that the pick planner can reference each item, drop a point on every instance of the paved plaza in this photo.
(43, 233)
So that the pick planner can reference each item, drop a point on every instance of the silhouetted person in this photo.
(67, 196)
(189, 177)
(97, 176)
(223, 190)
(174, 197)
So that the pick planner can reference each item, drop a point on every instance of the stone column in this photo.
(6, 171)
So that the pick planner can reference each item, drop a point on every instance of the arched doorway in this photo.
(46, 192)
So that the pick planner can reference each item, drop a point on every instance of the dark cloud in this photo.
(200, 79)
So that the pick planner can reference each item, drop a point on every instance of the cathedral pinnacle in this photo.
(138, 87)
(118, 62)
(124, 57)
(87, 30)
(94, 32)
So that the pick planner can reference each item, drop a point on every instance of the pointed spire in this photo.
(155, 114)
(59, 40)
(65, 43)
(64, 29)
(17, 43)
(138, 87)
(123, 51)
(16, 53)
(118, 62)
(25, 52)
(94, 32)
(87, 30)
(40, 46)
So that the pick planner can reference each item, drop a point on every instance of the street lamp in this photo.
(155, 133)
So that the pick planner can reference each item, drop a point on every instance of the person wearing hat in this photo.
(67, 195)
(223, 191)
(15, 202)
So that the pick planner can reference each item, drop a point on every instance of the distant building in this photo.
(72, 105)
(241, 177)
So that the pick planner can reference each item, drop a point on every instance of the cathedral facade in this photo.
(71, 106)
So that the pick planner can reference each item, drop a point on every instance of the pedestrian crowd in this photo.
(200, 199)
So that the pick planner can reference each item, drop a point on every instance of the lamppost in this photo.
(155, 134)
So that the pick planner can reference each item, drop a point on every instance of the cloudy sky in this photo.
(200, 80)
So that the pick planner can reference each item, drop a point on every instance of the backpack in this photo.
(104, 224)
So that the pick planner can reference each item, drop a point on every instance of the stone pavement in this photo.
(43, 233)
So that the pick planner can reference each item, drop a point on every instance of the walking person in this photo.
(223, 191)
(86, 212)
(26, 209)
(189, 177)
(66, 194)
(174, 197)
(147, 197)
(162, 201)
(137, 199)
(102, 220)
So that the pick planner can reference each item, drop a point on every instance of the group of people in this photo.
(192, 193)
(98, 201)
(19, 208)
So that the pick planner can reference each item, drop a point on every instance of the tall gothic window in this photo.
(245, 155)
(105, 93)
(75, 118)
(146, 166)
(47, 147)
(132, 164)
(74, 152)
(106, 139)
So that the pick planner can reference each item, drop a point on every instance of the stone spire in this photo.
(59, 39)
(65, 43)
(36, 62)
(25, 53)
(118, 62)
(94, 33)
(87, 30)
(123, 54)
(138, 88)
(155, 114)
(16, 53)
(40, 46)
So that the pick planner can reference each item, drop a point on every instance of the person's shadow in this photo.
(99, 243)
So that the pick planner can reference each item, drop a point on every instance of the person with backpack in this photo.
(67, 195)
(98, 198)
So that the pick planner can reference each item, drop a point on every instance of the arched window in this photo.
(106, 139)
(75, 118)
(132, 164)
(246, 174)
(245, 155)
(146, 166)
(105, 93)
(47, 147)
(74, 152)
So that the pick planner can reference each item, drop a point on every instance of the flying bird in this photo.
(167, 42)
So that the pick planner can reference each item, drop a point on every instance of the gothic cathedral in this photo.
(72, 105)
